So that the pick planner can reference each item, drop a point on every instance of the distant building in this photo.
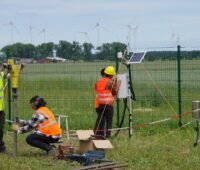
(56, 59)
(27, 60)
(43, 60)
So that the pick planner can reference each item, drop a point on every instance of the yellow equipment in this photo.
(14, 69)
(110, 70)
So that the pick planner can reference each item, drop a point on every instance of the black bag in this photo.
(87, 158)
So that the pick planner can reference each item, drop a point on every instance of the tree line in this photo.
(86, 52)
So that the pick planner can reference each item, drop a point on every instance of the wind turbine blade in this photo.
(104, 28)
(17, 30)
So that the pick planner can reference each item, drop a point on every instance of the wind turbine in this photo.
(98, 33)
(31, 33)
(175, 38)
(98, 27)
(86, 37)
(12, 29)
(43, 31)
(130, 29)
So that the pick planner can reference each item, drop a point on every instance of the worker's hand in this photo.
(8, 76)
(5, 65)
(22, 65)
(114, 78)
(22, 123)
(15, 127)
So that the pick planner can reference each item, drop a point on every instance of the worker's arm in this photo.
(31, 124)
(7, 75)
(113, 84)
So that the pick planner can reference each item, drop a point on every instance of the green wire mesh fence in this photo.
(68, 89)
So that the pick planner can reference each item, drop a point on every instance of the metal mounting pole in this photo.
(9, 101)
(117, 100)
(179, 83)
(130, 113)
(14, 121)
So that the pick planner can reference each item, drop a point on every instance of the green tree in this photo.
(64, 49)
(76, 51)
(87, 51)
(20, 50)
(107, 50)
(44, 50)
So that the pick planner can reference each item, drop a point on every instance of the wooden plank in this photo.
(113, 166)
(104, 166)
(95, 166)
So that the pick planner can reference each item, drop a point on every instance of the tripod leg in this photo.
(197, 133)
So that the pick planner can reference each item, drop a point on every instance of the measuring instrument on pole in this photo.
(126, 91)
(14, 67)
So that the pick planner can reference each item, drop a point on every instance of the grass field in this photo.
(68, 89)
(153, 148)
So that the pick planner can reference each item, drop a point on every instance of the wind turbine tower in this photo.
(86, 37)
(130, 28)
(31, 33)
(98, 33)
(43, 31)
(12, 28)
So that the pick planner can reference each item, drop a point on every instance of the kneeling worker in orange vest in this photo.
(47, 130)
(106, 89)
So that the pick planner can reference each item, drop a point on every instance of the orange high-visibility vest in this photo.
(96, 100)
(104, 95)
(50, 126)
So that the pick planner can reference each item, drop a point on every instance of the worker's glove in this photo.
(8, 76)
(5, 65)
(22, 123)
(15, 127)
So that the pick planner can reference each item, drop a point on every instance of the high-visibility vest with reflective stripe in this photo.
(104, 95)
(50, 126)
(96, 100)
(1, 91)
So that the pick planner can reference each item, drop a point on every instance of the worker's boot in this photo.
(2, 148)
(53, 152)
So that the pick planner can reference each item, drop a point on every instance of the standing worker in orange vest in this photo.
(96, 101)
(47, 130)
(106, 89)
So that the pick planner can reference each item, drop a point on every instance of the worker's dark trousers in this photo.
(41, 141)
(105, 116)
(2, 122)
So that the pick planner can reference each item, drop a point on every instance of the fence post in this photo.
(9, 91)
(179, 83)
(117, 67)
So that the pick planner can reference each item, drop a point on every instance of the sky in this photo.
(141, 24)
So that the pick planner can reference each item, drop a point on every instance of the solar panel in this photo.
(136, 58)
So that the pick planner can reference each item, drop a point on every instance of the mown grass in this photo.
(150, 148)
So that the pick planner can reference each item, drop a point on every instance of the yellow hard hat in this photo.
(110, 70)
